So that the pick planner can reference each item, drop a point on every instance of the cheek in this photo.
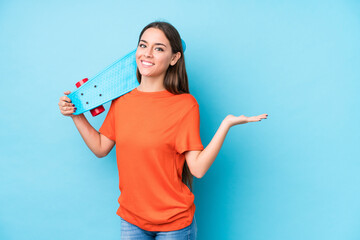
(137, 58)
(165, 61)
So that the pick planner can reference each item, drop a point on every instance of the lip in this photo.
(146, 62)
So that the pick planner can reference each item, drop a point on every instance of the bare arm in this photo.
(199, 162)
(99, 144)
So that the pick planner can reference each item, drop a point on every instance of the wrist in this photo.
(226, 123)
(75, 116)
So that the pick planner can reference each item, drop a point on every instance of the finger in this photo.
(263, 116)
(67, 114)
(65, 104)
(68, 104)
(68, 111)
(67, 92)
(253, 119)
(66, 99)
(67, 108)
(71, 109)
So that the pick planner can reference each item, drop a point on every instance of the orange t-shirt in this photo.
(152, 130)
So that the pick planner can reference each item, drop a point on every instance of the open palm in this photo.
(234, 120)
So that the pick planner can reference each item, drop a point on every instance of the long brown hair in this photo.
(176, 80)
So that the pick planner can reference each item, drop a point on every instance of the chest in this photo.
(147, 126)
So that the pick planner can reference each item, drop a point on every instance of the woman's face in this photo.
(154, 53)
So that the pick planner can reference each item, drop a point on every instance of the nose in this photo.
(148, 52)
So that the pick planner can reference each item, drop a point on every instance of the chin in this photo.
(145, 74)
(148, 74)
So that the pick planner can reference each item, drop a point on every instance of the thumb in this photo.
(67, 92)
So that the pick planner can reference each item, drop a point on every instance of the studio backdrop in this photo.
(295, 175)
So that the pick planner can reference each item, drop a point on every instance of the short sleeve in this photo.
(108, 126)
(188, 132)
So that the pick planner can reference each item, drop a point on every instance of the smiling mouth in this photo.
(147, 63)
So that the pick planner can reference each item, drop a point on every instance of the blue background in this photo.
(295, 175)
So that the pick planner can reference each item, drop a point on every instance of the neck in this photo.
(152, 84)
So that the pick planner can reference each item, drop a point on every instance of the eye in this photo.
(142, 45)
(160, 49)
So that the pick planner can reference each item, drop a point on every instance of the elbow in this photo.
(196, 172)
(101, 154)
(198, 175)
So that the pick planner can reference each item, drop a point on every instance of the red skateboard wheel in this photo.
(95, 111)
(79, 83)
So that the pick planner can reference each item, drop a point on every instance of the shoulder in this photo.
(186, 104)
(187, 100)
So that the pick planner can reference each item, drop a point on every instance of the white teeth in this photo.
(148, 64)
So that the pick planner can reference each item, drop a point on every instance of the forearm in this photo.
(88, 133)
(206, 158)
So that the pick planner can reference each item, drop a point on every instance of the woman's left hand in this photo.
(232, 120)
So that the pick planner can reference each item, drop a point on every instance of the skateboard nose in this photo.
(183, 45)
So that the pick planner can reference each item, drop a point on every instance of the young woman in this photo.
(156, 128)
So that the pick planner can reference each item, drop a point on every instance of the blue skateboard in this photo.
(114, 81)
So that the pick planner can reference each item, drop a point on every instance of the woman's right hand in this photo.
(65, 105)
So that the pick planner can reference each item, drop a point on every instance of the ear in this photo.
(175, 58)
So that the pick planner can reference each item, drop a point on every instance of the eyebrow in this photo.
(155, 43)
